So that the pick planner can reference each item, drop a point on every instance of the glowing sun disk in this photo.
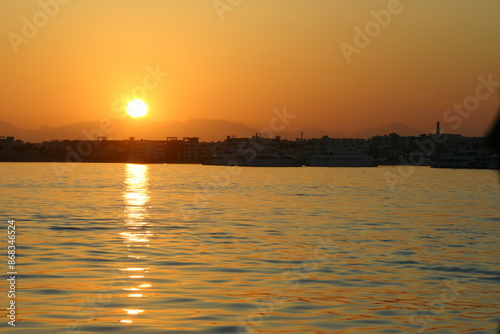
(137, 108)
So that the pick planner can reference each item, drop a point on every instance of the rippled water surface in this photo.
(124, 248)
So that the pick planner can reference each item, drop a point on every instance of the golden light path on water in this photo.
(277, 250)
(137, 234)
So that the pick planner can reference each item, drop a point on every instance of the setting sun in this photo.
(137, 108)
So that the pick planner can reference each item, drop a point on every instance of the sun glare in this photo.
(137, 108)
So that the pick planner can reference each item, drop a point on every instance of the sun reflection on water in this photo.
(137, 233)
(133, 311)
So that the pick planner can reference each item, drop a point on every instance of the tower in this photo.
(438, 128)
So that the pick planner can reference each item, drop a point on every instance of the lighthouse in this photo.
(438, 128)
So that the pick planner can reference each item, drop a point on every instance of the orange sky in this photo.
(240, 61)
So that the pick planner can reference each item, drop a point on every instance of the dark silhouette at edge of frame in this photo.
(493, 140)
(493, 137)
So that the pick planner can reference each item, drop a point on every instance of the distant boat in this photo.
(344, 158)
(259, 160)
(472, 159)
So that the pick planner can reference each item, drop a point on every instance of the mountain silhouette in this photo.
(205, 129)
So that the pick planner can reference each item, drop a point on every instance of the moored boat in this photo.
(472, 159)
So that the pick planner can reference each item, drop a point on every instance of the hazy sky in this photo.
(238, 60)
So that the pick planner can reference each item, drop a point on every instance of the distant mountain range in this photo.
(205, 129)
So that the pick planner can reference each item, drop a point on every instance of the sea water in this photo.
(165, 248)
